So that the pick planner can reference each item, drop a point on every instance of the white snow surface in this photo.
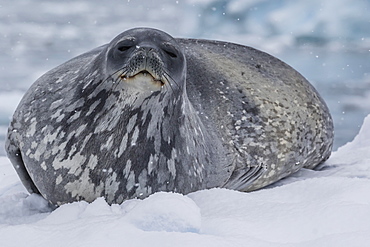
(326, 207)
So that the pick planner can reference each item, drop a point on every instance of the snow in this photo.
(326, 207)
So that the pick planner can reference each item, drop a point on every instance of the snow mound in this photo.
(353, 159)
(169, 212)
(21, 208)
(160, 212)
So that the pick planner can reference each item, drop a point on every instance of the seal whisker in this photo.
(112, 76)
(167, 75)
(122, 71)
(169, 83)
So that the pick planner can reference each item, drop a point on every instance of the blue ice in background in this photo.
(327, 41)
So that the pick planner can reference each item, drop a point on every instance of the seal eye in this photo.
(126, 44)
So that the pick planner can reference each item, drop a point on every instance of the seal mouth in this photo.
(144, 75)
(143, 80)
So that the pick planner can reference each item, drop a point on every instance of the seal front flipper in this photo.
(15, 157)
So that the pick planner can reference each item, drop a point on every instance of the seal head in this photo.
(146, 59)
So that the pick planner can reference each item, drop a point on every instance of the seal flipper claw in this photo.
(240, 179)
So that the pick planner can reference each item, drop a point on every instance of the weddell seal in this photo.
(148, 112)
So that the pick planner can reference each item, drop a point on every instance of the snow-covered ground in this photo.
(326, 207)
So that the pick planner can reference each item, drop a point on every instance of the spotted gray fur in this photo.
(228, 116)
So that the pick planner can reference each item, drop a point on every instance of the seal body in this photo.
(148, 113)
